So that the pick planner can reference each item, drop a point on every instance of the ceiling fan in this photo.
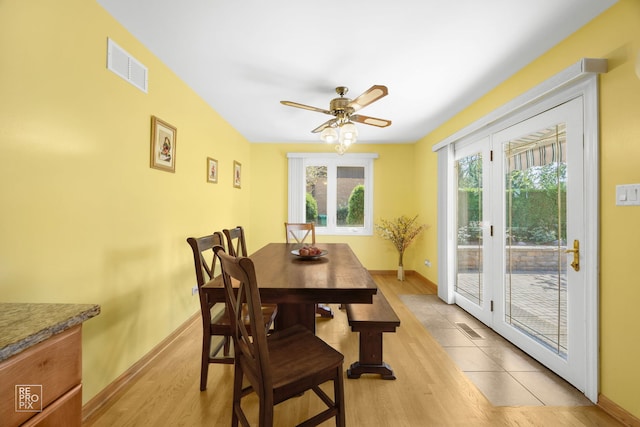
(343, 108)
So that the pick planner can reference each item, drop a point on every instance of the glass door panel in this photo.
(536, 233)
(469, 251)
(541, 304)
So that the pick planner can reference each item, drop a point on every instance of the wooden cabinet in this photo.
(46, 376)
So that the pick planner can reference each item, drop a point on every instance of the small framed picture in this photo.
(237, 174)
(163, 145)
(212, 170)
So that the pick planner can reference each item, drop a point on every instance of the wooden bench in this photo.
(371, 320)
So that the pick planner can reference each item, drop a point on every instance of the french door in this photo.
(520, 229)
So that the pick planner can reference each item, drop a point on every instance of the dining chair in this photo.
(216, 324)
(299, 233)
(236, 243)
(279, 366)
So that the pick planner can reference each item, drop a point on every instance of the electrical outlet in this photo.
(427, 263)
(194, 290)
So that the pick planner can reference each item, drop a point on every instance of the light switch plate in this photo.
(628, 195)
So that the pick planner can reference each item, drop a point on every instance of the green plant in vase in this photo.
(400, 231)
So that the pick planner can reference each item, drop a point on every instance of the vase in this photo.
(400, 273)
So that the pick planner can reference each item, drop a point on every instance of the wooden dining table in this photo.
(297, 284)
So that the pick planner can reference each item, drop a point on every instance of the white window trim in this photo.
(579, 79)
(297, 190)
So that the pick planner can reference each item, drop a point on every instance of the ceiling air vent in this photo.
(126, 66)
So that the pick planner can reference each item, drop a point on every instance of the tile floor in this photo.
(502, 372)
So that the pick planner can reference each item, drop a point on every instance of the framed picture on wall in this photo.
(212, 170)
(163, 145)
(237, 174)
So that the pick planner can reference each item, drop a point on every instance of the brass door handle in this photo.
(576, 255)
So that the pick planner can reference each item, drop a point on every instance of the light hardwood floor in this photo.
(430, 389)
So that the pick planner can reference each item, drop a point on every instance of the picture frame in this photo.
(237, 174)
(163, 145)
(212, 170)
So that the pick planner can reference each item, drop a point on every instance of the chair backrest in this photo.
(236, 244)
(251, 349)
(204, 260)
(299, 232)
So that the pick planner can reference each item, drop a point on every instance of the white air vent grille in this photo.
(126, 66)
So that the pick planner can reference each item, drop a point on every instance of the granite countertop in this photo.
(23, 325)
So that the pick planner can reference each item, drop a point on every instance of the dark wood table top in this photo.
(337, 277)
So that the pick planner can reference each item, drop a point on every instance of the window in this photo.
(334, 192)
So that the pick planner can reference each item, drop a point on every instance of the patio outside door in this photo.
(519, 236)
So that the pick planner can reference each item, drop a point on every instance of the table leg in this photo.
(296, 314)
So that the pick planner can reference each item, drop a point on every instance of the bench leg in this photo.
(370, 357)
(324, 311)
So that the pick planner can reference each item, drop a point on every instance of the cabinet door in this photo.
(64, 412)
(49, 370)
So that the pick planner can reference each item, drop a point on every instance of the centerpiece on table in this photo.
(401, 232)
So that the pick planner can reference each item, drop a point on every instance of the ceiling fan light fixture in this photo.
(340, 148)
(348, 136)
(348, 131)
(345, 140)
(341, 130)
(329, 135)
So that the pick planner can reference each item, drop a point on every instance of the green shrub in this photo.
(355, 215)
(311, 208)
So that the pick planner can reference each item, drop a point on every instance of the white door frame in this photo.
(579, 80)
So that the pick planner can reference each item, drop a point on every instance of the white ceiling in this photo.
(435, 56)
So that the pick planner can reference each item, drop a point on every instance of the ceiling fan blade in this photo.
(374, 93)
(381, 123)
(325, 125)
(305, 107)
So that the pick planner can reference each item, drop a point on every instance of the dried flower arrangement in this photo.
(400, 231)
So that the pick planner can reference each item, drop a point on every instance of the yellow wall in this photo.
(84, 217)
(614, 35)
